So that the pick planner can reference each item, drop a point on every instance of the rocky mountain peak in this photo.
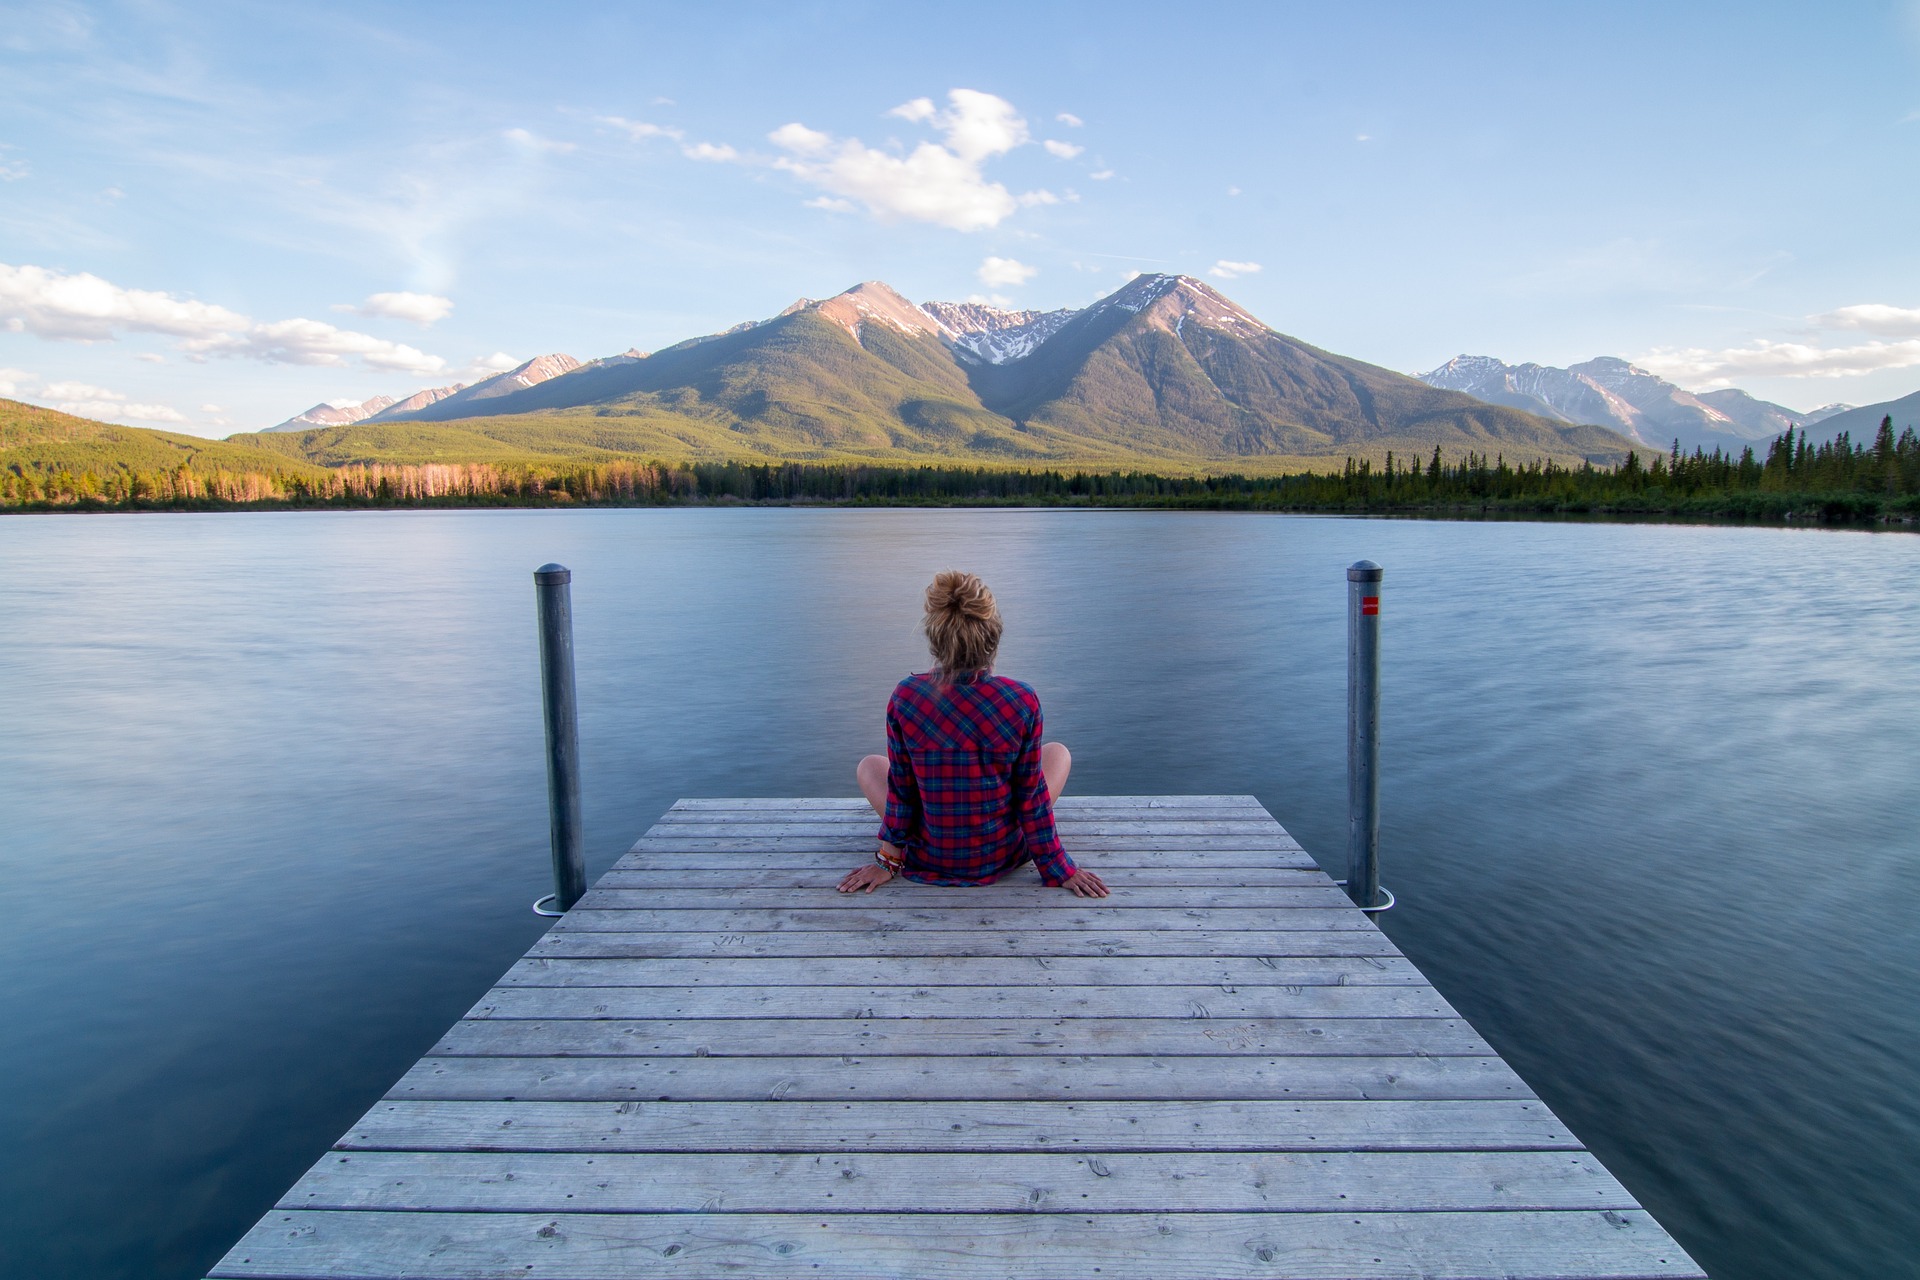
(334, 413)
(873, 301)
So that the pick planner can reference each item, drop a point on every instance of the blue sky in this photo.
(214, 215)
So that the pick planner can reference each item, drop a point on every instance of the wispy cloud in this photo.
(315, 342)
(534, 142)
(1875, 318)
(1226, 270)
(1062, 150)
(719, 153)
(423, 309)
(641, 130)
(1069, 119)
(939, 182)
(84, 308)
(85, 400)
(1706, 369)
(1001, 273)
(1805, 355)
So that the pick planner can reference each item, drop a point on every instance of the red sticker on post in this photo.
(1369, 606)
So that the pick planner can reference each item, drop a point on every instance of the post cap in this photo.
(548, 574)
(1365, 571)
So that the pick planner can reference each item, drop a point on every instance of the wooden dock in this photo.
(717, 1066)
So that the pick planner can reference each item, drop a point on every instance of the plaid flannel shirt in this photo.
(966, 801)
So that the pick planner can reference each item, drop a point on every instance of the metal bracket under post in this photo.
(553, 589)
(1363, 737)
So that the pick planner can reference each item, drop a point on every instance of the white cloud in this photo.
(85, 400)
(13, 381)
(1230, 270)
(717, 152)
(315, 342)
(1706, 369)
(1005, 273)
(1063, 150)
(150, 357)
(1233, 191)
(422, 309)
(1363, 137)
(800, 139)
(640, 130)
(1069, 119)
(85, 308)
(1101, 175)
(14, 170)
(78, 391)
(833, 204)
(534, 141)
(1873, 317)
(941, 184)
(487, 366)
(212, 408)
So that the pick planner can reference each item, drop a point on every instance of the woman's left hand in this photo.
(869, 877)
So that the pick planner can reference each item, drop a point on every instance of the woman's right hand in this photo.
(869, 878)
(1086, 884)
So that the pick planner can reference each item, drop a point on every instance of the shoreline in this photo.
(1804, 511)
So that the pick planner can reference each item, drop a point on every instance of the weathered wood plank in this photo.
(1612, 1244)
(969, 942)
(1304, 1125)
(651, 857)
(652, 854)
(909, 1079)
(986, 1037)
(1079, 844)
(1175, 1182)
(802, 804)
(958, 971)
(1082, 827)
(823, 896)
(1188, 1003)
(1062, 814)
(638, 874)
(1068, 912)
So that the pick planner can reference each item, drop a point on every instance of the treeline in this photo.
(1838, 481)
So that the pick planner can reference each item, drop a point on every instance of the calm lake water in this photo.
(272, 803)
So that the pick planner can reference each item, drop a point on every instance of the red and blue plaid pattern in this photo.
(966, 801)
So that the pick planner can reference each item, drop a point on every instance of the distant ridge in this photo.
(1613, 393)
(1164, 371)
(1861, 424)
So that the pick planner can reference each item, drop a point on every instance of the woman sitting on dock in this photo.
(965, 792)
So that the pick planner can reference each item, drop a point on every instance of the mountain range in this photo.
(1640, 405)
(1163, 372)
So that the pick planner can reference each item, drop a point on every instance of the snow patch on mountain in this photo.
(993, 336)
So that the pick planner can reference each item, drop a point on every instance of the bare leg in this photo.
(1055, 762)
(871, 773)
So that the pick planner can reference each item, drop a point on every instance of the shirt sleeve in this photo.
(1035, 808)
(902, 820)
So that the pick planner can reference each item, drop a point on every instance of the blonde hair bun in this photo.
(962, 622)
